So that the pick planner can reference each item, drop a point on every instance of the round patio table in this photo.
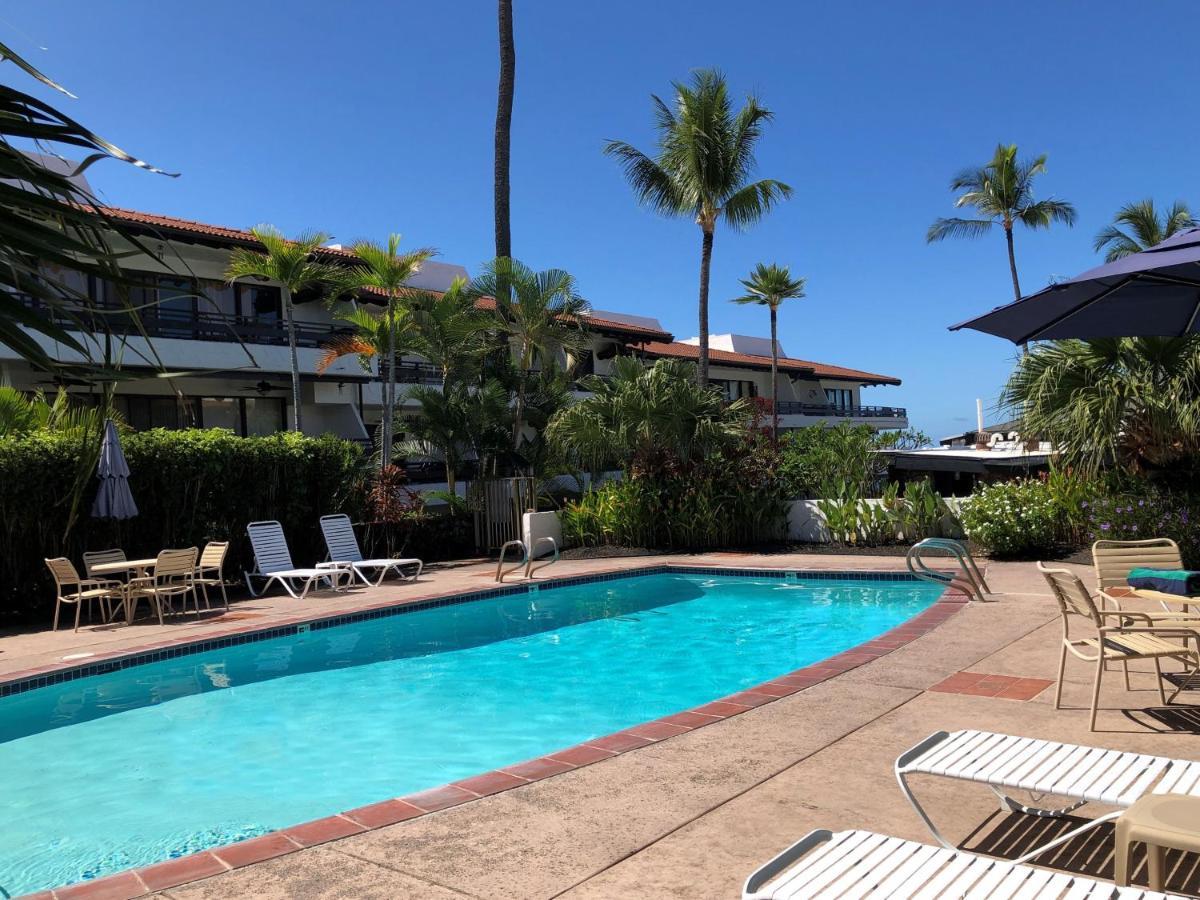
(140, 569)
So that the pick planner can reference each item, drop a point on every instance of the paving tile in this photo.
(657, 731)
(721, 709)
(582, 755)
(690, 719)
(490, 783)
(163, 875)
(321, 830)
(122, 886)
(438, 798)
(377, 815)
(256, 849)
(620, 742)
(534, 769)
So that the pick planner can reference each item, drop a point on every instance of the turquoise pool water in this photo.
(160, 760)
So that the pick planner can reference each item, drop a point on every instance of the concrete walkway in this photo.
(691, 816)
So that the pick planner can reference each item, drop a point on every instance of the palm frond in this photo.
(965, 228)
(750, 204)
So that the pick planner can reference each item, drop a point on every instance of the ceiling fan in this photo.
(263, 388)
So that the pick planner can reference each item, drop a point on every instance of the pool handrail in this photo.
(500, 572)
(970, 581)
(529, 569)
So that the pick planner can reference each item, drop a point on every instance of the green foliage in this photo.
(1138, 226)
(190, 486)
(1013, 518)
(719, 502)
(48, 219)
(836, 462)
(647, 420)
(1001, 193)
(1143, 513)
(852, 519)
(1134, 402)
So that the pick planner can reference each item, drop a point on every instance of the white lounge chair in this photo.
(1079, 774)
(273, 563)
(343, 547)
(862, 864)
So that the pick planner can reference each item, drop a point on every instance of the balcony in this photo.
(412, 373)
(819, 410)
(161, 322)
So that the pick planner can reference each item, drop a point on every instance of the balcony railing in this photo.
(159, 322)
(413, 373)
(794, 408)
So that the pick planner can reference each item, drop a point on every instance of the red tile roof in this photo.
(677, 350)
(187, 226)
(598, 323)
(660, 343)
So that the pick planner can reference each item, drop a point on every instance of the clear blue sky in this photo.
(362, 118)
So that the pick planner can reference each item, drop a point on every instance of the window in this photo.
(839, 398)
(221, 412)
(143, 413)
(175, 307)
(732, 390)
(265, 415)
(261, 303)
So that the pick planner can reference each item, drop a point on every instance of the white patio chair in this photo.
(862, 864)
(343, 547)
(1079, 774)
(273, 563)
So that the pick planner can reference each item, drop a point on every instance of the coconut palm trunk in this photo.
(290, 318)
(1012, 260)
(504, 106)
(702, 306)
(389, 400)
(774, 375)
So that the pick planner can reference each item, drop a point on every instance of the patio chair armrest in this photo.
(105, 583)
(1106, 598)
(1161, 630)
(1126, 614)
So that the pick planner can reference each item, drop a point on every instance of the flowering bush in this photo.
(1012, 518)
(1131, 517)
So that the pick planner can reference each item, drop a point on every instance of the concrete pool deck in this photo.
(692, 815)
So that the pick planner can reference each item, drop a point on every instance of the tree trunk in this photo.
(1012, 261)
(519, 412)
(291, 335)
(389, 395)
(1012, 268)
(504, 105)
(705, 263)
(774, 378)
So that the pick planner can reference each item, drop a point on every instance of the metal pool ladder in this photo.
(526, 559)
(967, 579)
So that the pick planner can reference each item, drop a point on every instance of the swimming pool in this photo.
(159, 760)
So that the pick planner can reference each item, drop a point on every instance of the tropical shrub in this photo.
(1147, 514)
(190, 487)
(1013, 518)
(839, 461)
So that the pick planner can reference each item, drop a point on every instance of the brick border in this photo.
(172, 873)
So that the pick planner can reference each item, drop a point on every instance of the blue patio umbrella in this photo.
(114, 499)
(1155, 293)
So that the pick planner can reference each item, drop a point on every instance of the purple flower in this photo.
(1104, 527)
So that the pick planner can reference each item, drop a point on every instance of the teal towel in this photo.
(1181, 582)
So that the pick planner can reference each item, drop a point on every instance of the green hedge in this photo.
(190, 487)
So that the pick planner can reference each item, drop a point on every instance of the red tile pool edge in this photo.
(217, 860)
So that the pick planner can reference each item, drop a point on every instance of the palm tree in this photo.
(1146, 228)
(295, 266)
(504, 106)
(704, 163)
(386, 270)
(1001, 192)
(456, 423)
(646, 419)
(21, 413)
(541, 313)
(1134, 401)
(769, 286)
(451, 330)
